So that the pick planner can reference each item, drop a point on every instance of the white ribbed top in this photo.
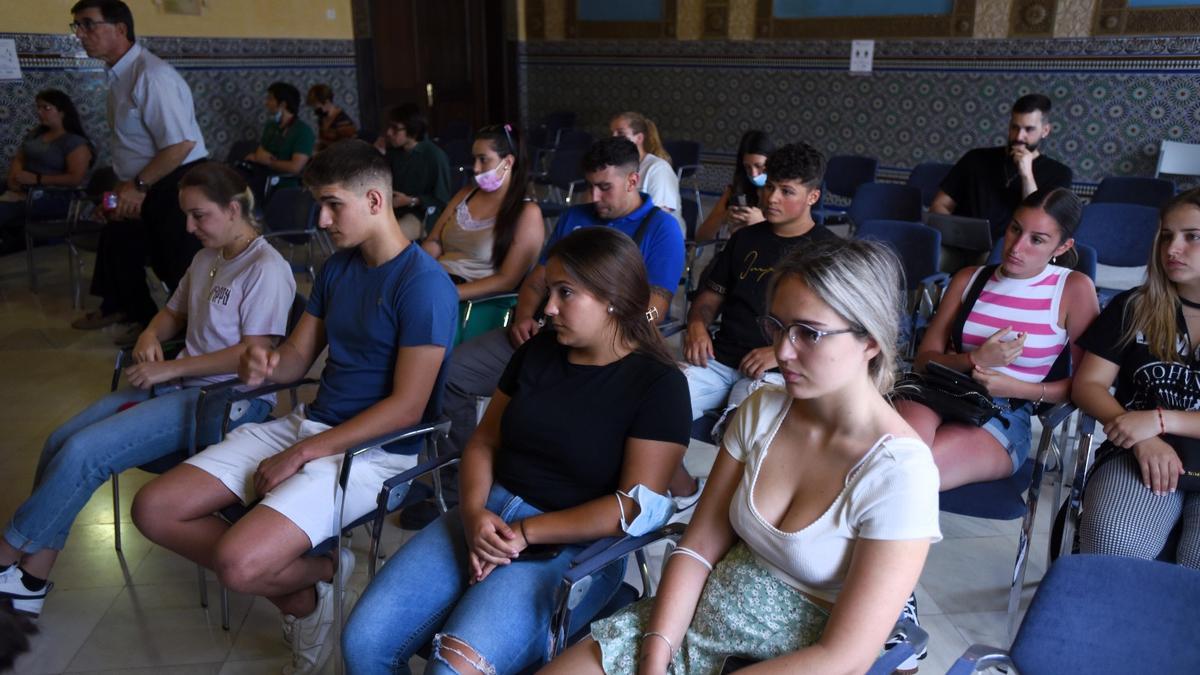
(891, 494)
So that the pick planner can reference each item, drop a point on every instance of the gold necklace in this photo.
(212, 273)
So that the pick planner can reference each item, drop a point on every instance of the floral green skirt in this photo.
(744, 610)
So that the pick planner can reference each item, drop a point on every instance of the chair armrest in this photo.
(125, 357)
(1056, 414)
(386, 496)
(610, 549)
(1087, 424)
(979, 658)
(441, 427)
(258, 392)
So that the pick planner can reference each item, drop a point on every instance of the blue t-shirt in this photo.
(662, 244)
(369, 314)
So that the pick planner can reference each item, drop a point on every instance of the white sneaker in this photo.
(289, 629)
(685, 503)
(24, 600)
(311, 646)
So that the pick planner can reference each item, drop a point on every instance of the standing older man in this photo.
(155, 139)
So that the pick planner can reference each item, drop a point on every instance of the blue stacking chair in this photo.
(290, 218)
(564, 174)
(919, 248)
(1103, 614)
(1122, 235)
(1143, 190)
(1013, 497)
(1086, 258)
(927, 177)
(685, 158)
(885, 201)
(843, 175)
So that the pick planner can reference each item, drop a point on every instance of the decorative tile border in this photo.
(1115, 98)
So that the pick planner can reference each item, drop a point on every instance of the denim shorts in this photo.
(1015, 438)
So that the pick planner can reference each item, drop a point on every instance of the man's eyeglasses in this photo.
(797, 333)
(86, 26)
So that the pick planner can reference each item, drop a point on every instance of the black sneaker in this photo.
(909, 613)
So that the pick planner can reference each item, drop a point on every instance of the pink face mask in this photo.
(490, 181)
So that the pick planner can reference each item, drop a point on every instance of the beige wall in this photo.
(219, 18)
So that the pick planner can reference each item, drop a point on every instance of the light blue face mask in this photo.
(759, 180)
(278, 116)
(655, 511)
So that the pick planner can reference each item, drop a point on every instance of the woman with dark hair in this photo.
(236, 293)
(56, 153)
(738, 205)
(1012, 327)
(578, 443)
(1142, 343)
(490, 233)
(333, 124)
(821, 504)
(287, 142)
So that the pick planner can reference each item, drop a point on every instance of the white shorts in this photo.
(309, 498)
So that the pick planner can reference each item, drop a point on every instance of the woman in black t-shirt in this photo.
(1145, 341)
(583, 414)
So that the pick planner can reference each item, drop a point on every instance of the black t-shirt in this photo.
(563, 434)
(740, 273)
(1144, 382)
(985, 183)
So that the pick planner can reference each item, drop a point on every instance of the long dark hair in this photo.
(610, 266)
(753, 142)
(60, 100)
(507, 141)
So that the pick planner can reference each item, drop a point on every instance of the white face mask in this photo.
(490, 181)
(655, 511)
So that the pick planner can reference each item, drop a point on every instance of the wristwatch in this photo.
(139, 184)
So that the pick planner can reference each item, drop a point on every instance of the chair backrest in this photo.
(458, 152)
(918, 246)
(239, 149)
(927, 177)
(685, 156)
(1110, 614)
(557, 121)
(844, 173)
(290, 208)
(691, 214)
(565, 167)
(1122, 234)
(1177, 158)
(455, 129)
(574, 139)
(885, 201)
(1134, 190)
(1085, 258)
(476, 317)
(367, 135)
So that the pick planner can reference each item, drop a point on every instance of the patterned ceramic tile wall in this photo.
(1115, 99)
(228, 77)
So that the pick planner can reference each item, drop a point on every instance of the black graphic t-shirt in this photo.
(1144, 382)
(740, 273)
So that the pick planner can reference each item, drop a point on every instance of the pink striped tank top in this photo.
(1026, 305)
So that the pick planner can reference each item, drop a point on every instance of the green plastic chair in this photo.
(476, 317)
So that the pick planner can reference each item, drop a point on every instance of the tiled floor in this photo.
(138, 612)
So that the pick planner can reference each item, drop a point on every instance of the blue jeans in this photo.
(423, 590)
(80, 455)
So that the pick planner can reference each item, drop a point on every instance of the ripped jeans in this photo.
(422, 591)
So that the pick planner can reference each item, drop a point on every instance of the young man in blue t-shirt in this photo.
(611, 169)
(387, 311)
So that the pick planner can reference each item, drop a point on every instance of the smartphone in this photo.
(738, 200)
(536, 552)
